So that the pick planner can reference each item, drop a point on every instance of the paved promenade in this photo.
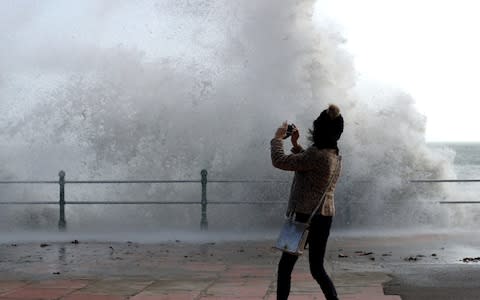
(172, 270)
(76, 270)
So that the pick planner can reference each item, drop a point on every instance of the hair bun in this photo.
(333, 111)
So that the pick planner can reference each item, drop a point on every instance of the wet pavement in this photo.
(360, 268)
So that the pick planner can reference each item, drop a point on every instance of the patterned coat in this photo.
(314, 169)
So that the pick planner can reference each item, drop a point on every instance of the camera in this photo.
(290, 129)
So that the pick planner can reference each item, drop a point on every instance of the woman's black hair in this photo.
(327, 129)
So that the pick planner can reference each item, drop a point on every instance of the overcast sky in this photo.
(428, 48)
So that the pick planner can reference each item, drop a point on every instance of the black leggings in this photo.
(317, 241)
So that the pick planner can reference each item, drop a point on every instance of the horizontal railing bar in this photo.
(249, 181)
(443, 180)
(132, 181)
(143, 202)
(26, 181)
(192, 202)
(143, 181)
(175, 181)
(130, 202)
(247, 202)
(459, 202)
(170, 202)
(98, 202)
(198, 181)
(28, 203)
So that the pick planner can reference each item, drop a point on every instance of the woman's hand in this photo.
(281, 131)
(295, 136)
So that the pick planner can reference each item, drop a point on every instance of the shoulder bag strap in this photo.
(322, 200)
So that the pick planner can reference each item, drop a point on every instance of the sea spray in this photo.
(163, 89)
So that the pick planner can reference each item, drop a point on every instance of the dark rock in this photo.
(44, 245)
(75, 242)
(414, 258)
(411, 258)
(471, 259)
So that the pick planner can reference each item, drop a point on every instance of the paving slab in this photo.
(361, 268)
(175, 270)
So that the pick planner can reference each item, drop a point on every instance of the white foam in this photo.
(163, 89)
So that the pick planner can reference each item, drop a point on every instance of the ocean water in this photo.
(466, 166)
(467, 159)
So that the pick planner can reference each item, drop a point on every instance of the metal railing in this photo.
(62, 223)
(449, 181)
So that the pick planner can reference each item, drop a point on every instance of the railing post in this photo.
(204, 222)
(61, 221)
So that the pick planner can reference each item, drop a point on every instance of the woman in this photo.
(314, 168)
